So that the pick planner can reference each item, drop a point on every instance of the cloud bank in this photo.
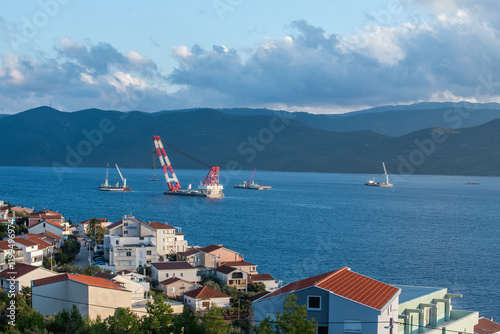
(448, 56)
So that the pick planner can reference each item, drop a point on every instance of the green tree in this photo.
(187, 323)
(293, 320)
(66, 321)
(124, 321)
(214, 323)
(95, 231)
(172, 256)
(256, 287)
(159, 318)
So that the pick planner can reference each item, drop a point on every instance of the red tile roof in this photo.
(170, 265)
(211, 248)
(189, 252)
(54, 223)
(87, 280)
(261, 277)
(226, 269)
(485, 326)
(25, 242)
(173, 280)
(124, 272)
(4, 244)
(347, 284)
(159, 226)
(205, 292)
(20, 269)
(105, 275)
(115, 224)
(239, 264)
(45, 212)
(52, 235)
(41, 244)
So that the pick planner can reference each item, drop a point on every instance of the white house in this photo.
(52, 218)
(32, 255)
(130, 252)
(201, 299)
(92, 295)
(137, 289)
(23, 274)
(233, 277)
(48, 225)
(266, 279)
(163, 270)
(341, 301)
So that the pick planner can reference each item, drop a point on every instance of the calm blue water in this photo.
(427, 230)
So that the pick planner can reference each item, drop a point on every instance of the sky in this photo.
(326, 56)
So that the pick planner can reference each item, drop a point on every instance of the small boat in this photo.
(473, 183)
(251, 185)
(383, 184)
(117, 187)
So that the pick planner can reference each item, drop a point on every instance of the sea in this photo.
(434, 231)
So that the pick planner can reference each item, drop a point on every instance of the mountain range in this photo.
(428, 139)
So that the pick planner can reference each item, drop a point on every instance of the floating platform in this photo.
(193, 193)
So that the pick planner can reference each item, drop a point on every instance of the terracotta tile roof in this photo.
(54, 223)
(226, 269)
(485, 326)
(239, 264)
(347, 284)
(205, 292)
(87, 280)
(124, 272)
(179, 233)
(211, 248)
(173, 280)
(116, 224)
(105, 275)
(41, 244)
(261, 277)
(189, 252)
(20, 269)
(45, 212)
(170, 265)
(52, 235)
(25, 242)
(4, 244)
(258, 296)
(158, 226)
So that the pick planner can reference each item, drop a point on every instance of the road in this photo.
(82, 258)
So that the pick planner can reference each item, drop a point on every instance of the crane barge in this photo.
(210, 188)
(117, 187)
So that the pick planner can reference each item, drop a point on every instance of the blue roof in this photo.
(413, 292)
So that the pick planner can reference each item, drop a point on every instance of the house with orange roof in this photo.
(486, 326)
(233, 277)
(10, 254)
(51, 238)
(223, 254)
(201, 299)
(94, 296)
(430, 310)
(51, 219)
(32, 255)
(49, 225)
(21, 276)
(43, 245)
(341, 301)
(247, 267)
(175, 287)
(200, 259)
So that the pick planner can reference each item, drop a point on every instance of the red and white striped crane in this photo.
(165, 164)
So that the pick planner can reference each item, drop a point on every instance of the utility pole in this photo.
(391, 325)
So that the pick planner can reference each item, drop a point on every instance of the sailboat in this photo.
(251, 185)
(383, 184)
(117, 187)
(154, 167)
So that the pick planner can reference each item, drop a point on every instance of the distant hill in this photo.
(205, 137)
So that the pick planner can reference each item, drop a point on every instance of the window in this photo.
(237, 275)
(129, 253)
(322, 330)
(166, 275)
(352, 326)
(148, 253)
(314, 303)
(125, 224)
(253, 268)
(172, 289)
(205, 305)
(182, 274)
(125, 232)
(43, 224)
(117, 242)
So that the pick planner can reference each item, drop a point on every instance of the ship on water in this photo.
(251, 184)
(107, 187)
(383, 184)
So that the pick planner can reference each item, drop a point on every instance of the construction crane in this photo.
(210, 187)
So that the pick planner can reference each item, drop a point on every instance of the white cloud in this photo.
(181, 51)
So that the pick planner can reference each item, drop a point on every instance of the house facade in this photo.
(247, 267)
(223, 254)
(429, 310)
(32, 255)
(181, 269)
(130, 252)
(92, 295)
(50, 217)
(51, 226)
(201, 299)
(341, 301)
(23, 274)
(200, 259)
(266, 279)
(175, 287)
(233, 277)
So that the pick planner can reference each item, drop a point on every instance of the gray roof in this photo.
(171, 265)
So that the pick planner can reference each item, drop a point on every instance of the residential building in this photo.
(166, 238)
(160, 271)
(130, 252)
(48, 225)
(6, 217)
(200, 259)
(233, 277)
(10, 254)
(43, 245)
(201, 299)
(486, 326)
(429, 310)
(53, 219)
(136, 277)
(51, 238)
(222, 254)
(175, 287)
(92, 295)
(341, 301)
(137, 289)
(83, 226)
(266, 279)
(247, 267)
(32, 255)
(23, 274)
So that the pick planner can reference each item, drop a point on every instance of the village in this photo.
(132, 261)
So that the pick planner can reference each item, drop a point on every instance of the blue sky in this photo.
(316, 56)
